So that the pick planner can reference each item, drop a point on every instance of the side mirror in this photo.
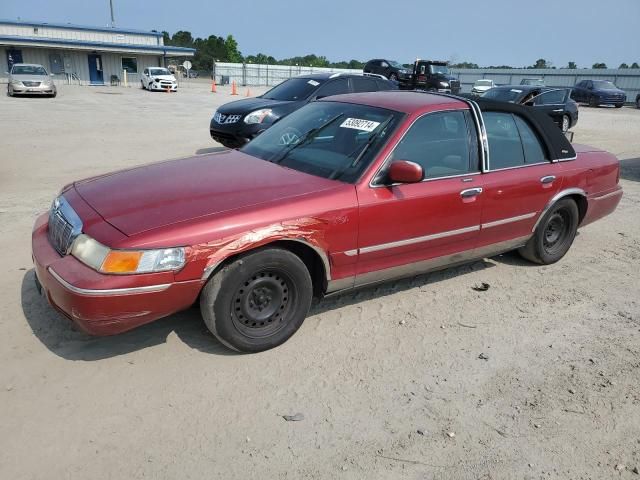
(403, 171)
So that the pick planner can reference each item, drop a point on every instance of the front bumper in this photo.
(237, 133)
(105, 304)
(39, 90)
(173, 87)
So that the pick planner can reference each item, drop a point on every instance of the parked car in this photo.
(390, 69)
(534, 82)
(481, 86)
(30, 79)
(598, 92)
(345, 192)
(158, 78)
(434, 76)
(556, 102)
(235, 123)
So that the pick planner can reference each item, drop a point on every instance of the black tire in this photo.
(593, 102)
(54, 94)
(554, 235)
(619, 105)
(259, 301)
(566, 123)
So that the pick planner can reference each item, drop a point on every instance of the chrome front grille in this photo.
(64, 226)
(223, 119)
(31, 84)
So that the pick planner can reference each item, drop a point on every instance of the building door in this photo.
(13, 57)
(96, 76)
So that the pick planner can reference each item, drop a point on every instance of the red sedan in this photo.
(345, 192)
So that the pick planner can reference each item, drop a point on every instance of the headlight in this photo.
(16, 82)
(103, 259)
(258, 116)
(403, 72)
(444, 84)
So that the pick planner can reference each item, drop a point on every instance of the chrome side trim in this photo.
(114, 291)
(504, 221)
(438, 263)
(321, 253)
(607, 195)
(425, 238)
(351, 253)
(556, 197)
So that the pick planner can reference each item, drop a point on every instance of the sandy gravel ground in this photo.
(536, 378)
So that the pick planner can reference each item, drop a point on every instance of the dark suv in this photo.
(598, 92)
(389, 68)
(236, 123)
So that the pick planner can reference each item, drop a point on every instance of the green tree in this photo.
(572, 65)
(635, 65)
(599, 65)
(464, 65)
(623, 65)
(541, 63)
(233, 54)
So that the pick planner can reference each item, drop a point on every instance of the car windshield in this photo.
(503, 94)
(293, 89)
(483, 83)
(28, 70)
(328, 139)
(442, 69)
(159, 71)
(395, 64)
(604, 85)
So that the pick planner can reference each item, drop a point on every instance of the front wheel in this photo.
(619, 105)
(258, 301)
(593, 102)
(554, 234)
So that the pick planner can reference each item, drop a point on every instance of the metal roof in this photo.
(70, 26)
(96, 45)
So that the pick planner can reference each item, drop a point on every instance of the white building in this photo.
(85, 55)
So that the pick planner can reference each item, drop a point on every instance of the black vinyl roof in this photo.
(557, 144)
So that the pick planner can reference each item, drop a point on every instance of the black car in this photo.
(391, 69)
(556, 102)
(598, 92)
(236, 123)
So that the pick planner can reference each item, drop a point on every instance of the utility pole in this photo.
(113, 21)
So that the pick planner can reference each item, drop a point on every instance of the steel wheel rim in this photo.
(262, 303)
(556, 232)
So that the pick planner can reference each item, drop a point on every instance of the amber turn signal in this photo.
(119, 261)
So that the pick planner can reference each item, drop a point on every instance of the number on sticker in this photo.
(360, 124)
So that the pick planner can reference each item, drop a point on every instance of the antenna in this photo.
(113, 21)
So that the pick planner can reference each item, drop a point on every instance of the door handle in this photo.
(557, 110)
(471, 192)
(548, 179)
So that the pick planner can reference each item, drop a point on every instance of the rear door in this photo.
(411, 227)
(337, 86)
(552, 102)
(519, 180)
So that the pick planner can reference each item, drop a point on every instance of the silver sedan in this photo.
(30, 79)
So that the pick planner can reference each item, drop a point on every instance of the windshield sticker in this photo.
(313, 82)
(360, 124)
(516, 91)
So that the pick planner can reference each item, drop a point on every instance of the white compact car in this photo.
(481, 86)
(158, 78)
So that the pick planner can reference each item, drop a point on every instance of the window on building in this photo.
(130, 64)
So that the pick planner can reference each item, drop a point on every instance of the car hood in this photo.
(248, 105)
(32, 78)
(608, 91)
(164, 77)
(161, 194)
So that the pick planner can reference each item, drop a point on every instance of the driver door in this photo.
(408, 228)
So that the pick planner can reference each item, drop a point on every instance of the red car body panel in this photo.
(221, 205)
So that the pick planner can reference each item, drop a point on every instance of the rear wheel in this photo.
(554, 234)
(258, 301)
(566, 123)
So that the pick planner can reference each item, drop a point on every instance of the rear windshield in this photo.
(503, 94)
(28, 70)
(293, 89)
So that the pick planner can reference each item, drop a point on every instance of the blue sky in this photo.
(487, 32)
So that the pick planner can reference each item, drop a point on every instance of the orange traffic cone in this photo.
(234, 88)
(213, 87)
(248, 92)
